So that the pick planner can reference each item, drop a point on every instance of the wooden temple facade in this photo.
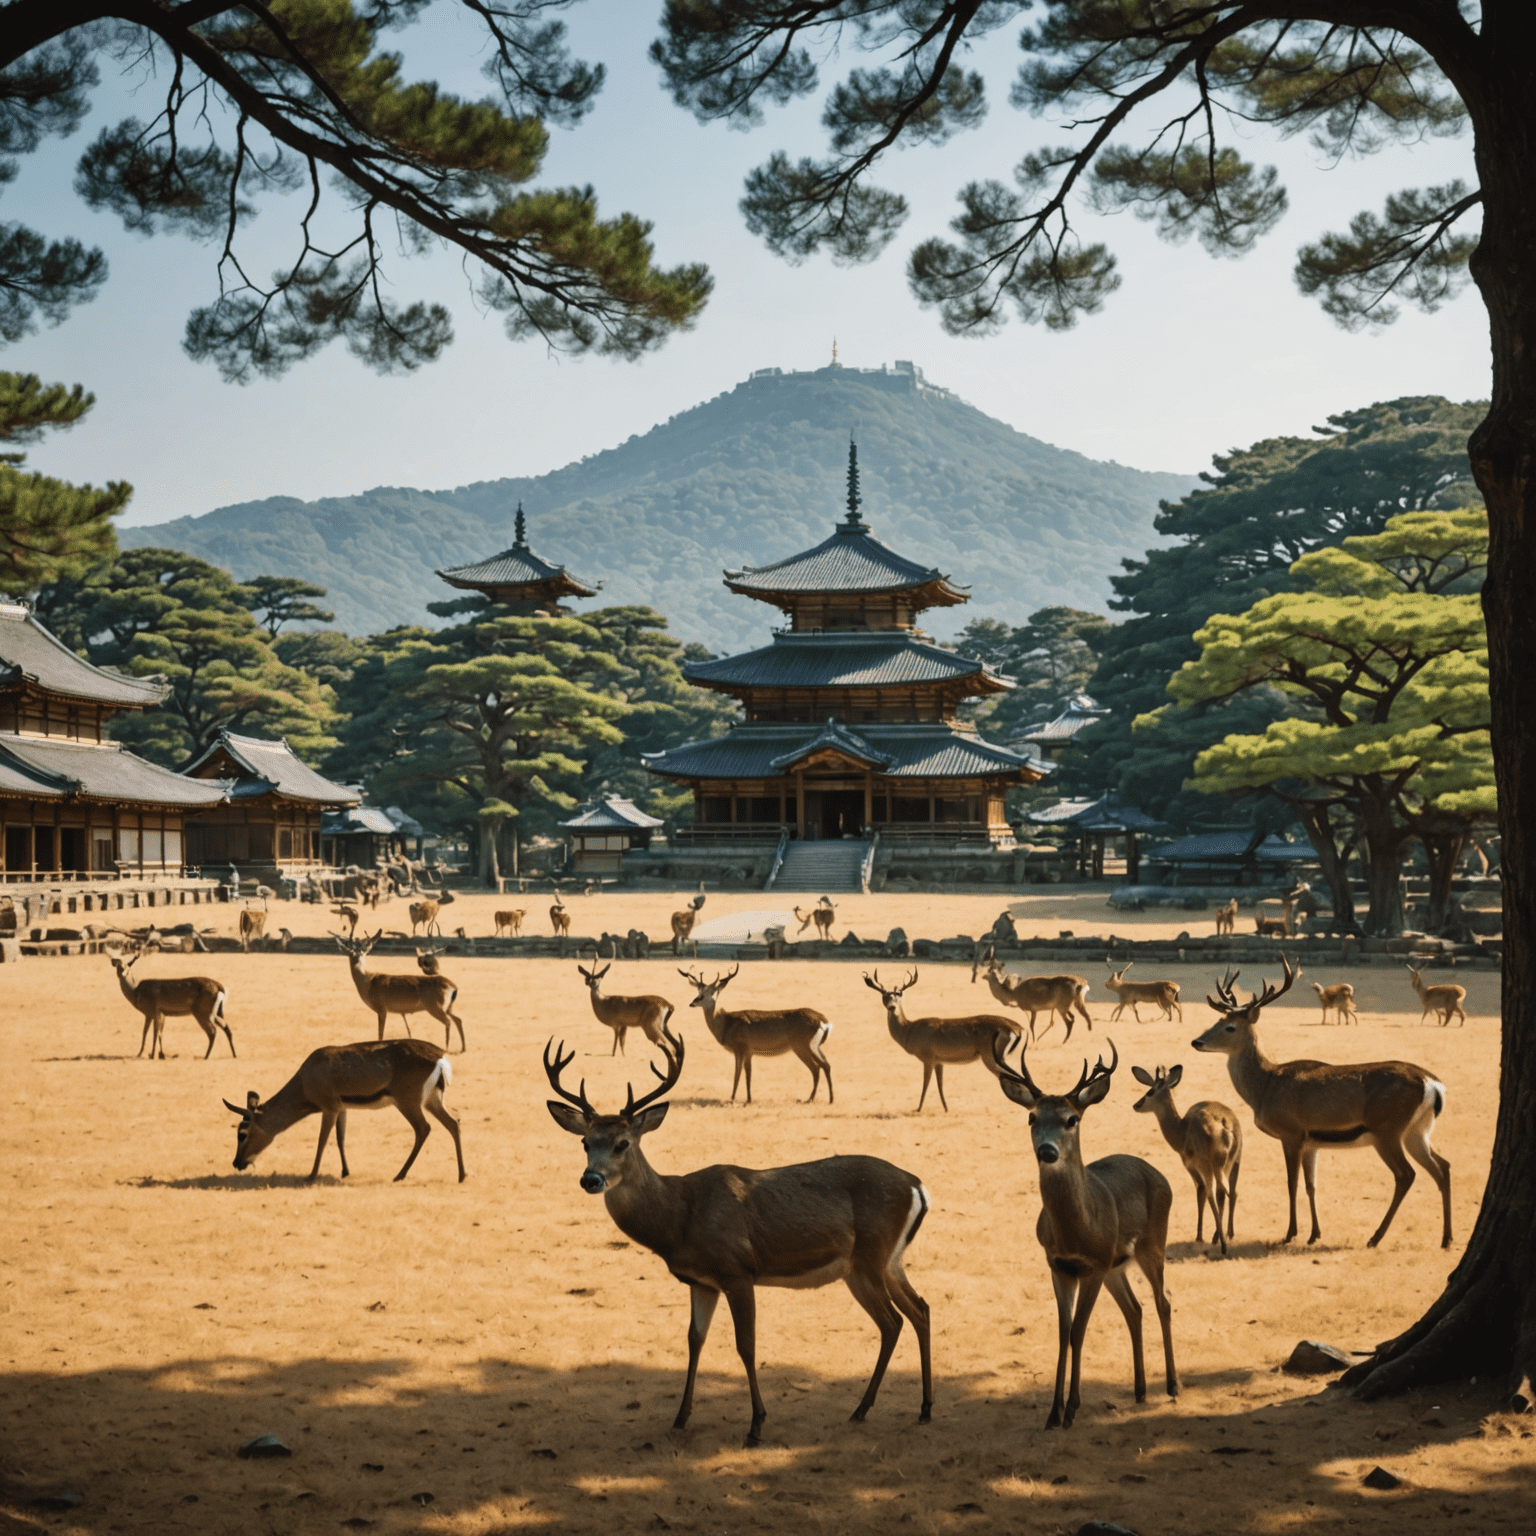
(850, 712)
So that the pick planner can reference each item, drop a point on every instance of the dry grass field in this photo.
(495, 1357)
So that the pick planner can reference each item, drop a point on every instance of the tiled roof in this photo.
(851, 659)
(1230, 847)
(357, 818)
(1106, 814)
(516, 567)
(833, 738)
(268, 767)
(612, 813)
(29, 652)
(1079, 712)
(52, 769)
(852, 560)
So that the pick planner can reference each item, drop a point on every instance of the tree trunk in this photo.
(1444, 851)
(1335, 866)
(1485, 1319)
(490, 854)
(1382, 845)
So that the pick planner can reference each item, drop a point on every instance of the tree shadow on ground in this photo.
(501, 1445)
(247, 1183)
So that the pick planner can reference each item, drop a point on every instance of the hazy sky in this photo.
(1191, 357)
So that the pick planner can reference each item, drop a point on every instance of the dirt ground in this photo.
(495, 1357)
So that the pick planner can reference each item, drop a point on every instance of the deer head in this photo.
(1053, 1118)
(708, 991)
(889, 995)
(697, 902)
(612, 1142)
(251, 1137)
(1158, 1083)
(1116, 977)
(1234, 1029)
(594, 975)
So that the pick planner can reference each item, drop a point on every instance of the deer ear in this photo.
(253, 1101)
(568, 1118)
(1142, 1075)
(648, 1119)
(1017, 1091)
(1093, 1092)
(1174, 1074)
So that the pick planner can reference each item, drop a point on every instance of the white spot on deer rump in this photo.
(1434, 1096)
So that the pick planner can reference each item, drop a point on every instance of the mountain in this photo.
(746, 478)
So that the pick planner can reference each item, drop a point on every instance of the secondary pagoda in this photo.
(851, 722)
(519, 579)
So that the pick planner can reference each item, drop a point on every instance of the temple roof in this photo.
(1075, 716)
(1106, 814)
(30, 653)
(264, 767)
(612, 813)
(844, 659)
(767, 750)
(1230, 848)
(48, 768)
(356, 818)
(516, 568)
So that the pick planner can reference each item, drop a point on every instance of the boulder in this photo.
(1311, 1358)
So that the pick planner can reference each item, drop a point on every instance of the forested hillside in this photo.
(747, 477)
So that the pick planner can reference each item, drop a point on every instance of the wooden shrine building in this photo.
(603, 831)
(520, 579)
(74, 804)
(851, 724)
(269, 824)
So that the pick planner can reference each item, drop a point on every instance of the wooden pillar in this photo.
(1132, 859)
(932, 808)
(800, 806)
(869, 801)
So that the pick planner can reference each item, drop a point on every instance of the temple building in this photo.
(850, 712)
(520, 579)
(73, 803)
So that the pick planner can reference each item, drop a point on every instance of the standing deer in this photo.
(1309, 1105)
(252, 926)
(938, 1043)
(1093, 1219)
(759, 1032)
(821, 914)
(1162, 994)
(682, 924)
(388, 993)
(1226, 917)
(410, 1074)
(559, 918)
(1445, 999)
(622, 1014)
(1037, 994)
(511, 922)
(1341, 998)
(161, 997)
(1208, 1139)
(348, 914)
(424, 914)
(724, 1231)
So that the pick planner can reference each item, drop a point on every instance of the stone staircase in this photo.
(821, 868)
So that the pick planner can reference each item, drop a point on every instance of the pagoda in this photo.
(519, 579)
(851, 712)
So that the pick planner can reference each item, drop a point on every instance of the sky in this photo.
(1191, 357)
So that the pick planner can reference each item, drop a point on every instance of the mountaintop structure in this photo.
(519, 579)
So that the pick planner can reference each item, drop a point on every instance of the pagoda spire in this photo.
(855, 500)
(520, 530)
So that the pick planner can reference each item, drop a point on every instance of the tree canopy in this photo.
(302, 98)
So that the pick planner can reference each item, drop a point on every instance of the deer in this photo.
(1208, 1138)
(760, 1032)
(349, 914)
(938, 1043)
(252, 926)
(1341, 998)
(622, 1014)
(1037, 994)
(821, 914)
(161, 997)
(424, 914)
(1093, 1218)
(1226, 917)
(682, 925)
(1163, 994)
(1271, 927)
(510, 922)
(410, 1074)
(1445, 999)
(724, 1230)
(559, 918)
(1310, 1105)
(388, 993)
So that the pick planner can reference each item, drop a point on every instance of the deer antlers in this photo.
(880, 987)
(672, 1050)
(1021, 1074)
(1226, 1001)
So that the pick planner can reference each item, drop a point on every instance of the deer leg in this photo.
(915, 1310)
(876, 1300)
(327, 1120)
(158, 1048)
(747, 1068)
(1232, 1174)
(1119, 1287)
(149, 1019)
(938, 1072)
(1403, 1176)
(1416, 1144)
(439, 1112)
(1218, 1199)
(1087, 1295)
(1309, 1172)
(618, 1040)
(1065, 1287)
(1150, 1261)
(927, 1073)
(808, 1056)
(742, 1299)
(418, 1124)
(218, 1019)
(705, 1299)
(383, 1018)
(211, 1032)
(1200, 1207)
(736, 1081)
(341, 1141)
(1292, 1168)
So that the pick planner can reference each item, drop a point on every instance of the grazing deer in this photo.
(682, 924)
(559, 918)
(724, 1231)
(386, 994)
(1209, 1140)
(821, 914)
(1226, 917)
(161, 997)
(1445, 999)
(939, 1043)
(622, 1014)
(252, 925)
(348, 914)
(759, 1032)
(410, 1074)
(1093, 1219)
(1309, 1105)
(1341, 998)
(1037, 994)
(1162, 994)
(510, 922)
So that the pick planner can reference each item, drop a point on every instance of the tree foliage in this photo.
(1049, 657)
(301, 97)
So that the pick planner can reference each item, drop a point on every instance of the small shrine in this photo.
(519, 579)
(603, 831)
(1095, 822)
(1050, 738)
(851, 723)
